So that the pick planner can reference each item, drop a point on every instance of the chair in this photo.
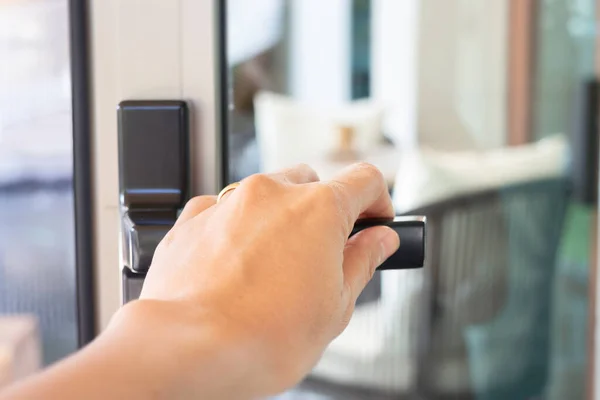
(476, 319)
(489, 278)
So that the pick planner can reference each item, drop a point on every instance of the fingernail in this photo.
(390, 242)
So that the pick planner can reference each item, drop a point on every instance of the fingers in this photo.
(362, 191)
(194, 207)
(299, 174)
(364, 252)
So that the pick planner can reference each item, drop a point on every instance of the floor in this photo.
(315, 390)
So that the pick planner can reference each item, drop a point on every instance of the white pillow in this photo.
(426, 176)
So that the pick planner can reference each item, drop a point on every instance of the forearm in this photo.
(105, 369)
(142, 356)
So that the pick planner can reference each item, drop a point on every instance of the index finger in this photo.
(362, 192)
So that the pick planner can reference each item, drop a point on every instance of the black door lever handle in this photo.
(411, 231)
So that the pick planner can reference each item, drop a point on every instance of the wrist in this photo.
(190, 354)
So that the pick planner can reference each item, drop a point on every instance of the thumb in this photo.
(364, 252)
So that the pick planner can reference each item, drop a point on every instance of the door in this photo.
(471, 112)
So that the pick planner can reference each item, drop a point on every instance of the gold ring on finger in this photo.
(227, 189)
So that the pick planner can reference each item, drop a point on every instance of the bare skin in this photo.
(242, 297)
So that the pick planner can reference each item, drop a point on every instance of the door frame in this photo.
(82, 171)
(593, 373)
(521, 58)
(132, 59)
(593, 389)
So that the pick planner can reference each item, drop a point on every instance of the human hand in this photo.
(270, 268)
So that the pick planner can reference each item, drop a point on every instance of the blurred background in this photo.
(481, 115)
(37, 240)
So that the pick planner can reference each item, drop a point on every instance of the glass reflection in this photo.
(37, 272)
(473, 112)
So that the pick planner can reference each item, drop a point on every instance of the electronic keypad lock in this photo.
(153, 180)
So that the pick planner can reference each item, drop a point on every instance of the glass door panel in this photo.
(469, 108)
(37, 238)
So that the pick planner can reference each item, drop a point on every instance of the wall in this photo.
(394, 71)
(462, 73)
(320, 63)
